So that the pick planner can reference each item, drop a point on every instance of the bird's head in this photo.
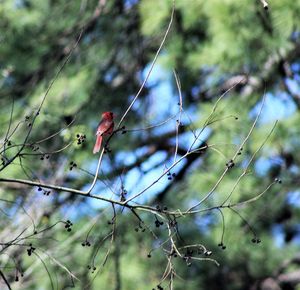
(108, 115)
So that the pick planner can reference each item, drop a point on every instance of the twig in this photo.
(5, 280)
(151, 68)
(232, 159)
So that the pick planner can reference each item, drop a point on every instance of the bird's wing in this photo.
(105, 125)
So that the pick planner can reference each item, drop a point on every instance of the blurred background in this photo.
(95, 55)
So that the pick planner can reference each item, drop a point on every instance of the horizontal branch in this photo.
(58, 188)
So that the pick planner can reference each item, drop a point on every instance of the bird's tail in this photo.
(97, 144)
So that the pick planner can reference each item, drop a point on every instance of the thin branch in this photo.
(43, 100)
(248, 164)
(5, 280)
(232, 159)
(151, 68)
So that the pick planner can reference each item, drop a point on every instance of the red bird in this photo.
(105, 127)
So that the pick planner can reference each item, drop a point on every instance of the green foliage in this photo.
(226, 24)
(210, 42)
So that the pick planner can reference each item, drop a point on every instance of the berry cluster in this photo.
(72, 165)
(123, 130)
(123, 193)
(230, 164)
(179, 123)
(86, 243)
(19, 271)
(171, 175)
(140, 228)
(256, 240)
(222, 246)
(80, 139)
(90, 268)
(188, 257)
(45, 192)
(68, 226)
(30, 250)
(161, 209)
(17, 277)
(27, 118)
(45, 156)
(240, 151)
(158, 223)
